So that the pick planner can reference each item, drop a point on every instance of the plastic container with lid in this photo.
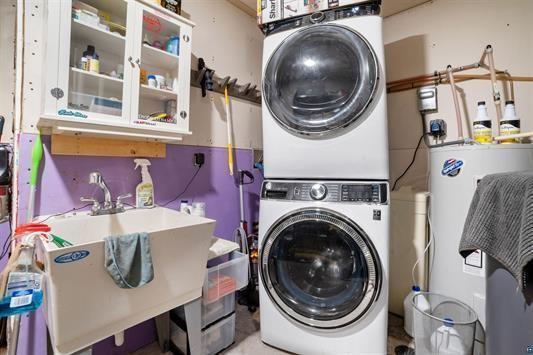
(152, 82)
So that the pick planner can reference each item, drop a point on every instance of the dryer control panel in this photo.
(342, 192)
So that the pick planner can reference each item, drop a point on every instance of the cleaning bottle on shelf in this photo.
(22, 283)
(482, 125)
(144, 193)
(510, 123)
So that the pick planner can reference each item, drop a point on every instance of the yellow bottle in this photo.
(482, 125)
(510, 123)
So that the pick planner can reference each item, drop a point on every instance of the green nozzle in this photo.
(36, 157)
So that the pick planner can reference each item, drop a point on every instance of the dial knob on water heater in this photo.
(318, 191)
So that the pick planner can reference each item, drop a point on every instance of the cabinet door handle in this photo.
(130, 59)
(138, 61)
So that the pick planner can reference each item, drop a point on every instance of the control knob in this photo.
(318, 191)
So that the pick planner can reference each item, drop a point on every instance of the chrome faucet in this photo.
(108, 206)
(95, 178)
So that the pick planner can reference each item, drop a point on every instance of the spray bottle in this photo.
(510, 123)
(144, 193)
(482, 125)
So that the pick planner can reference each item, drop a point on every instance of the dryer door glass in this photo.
(320, 269)
(320, 79)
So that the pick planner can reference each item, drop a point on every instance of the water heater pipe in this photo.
(455, 96)
(514, 136)
(489, 54)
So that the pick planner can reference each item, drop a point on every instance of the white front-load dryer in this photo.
(323, 266)
(324, 100)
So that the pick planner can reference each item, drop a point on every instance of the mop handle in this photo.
(230, 130)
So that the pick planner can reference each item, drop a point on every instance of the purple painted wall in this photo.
(64, 181)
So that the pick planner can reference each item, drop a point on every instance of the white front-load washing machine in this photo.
(324, 98)
(323, 266)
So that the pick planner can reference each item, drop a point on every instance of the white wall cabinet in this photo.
(111, 97)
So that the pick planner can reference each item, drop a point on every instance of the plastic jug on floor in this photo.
(447, 341)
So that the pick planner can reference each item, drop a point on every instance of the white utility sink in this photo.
(83, 305)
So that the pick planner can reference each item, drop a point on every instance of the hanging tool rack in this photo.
(206, 79)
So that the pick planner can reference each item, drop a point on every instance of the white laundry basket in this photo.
(443, 325)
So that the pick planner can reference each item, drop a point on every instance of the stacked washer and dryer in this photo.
(324, 210)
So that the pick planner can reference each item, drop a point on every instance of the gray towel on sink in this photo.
(500, 222)
(128, 259)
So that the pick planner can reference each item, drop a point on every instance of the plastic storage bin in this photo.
(226, 278)
(213, 311)
(85, 102)
(443, 325)
(216, 338)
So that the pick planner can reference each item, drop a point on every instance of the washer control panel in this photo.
(344, 192)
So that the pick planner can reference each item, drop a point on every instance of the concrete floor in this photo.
(248, 340)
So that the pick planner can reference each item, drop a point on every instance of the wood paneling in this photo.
(92, 146)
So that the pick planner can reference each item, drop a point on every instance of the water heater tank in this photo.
(455, 173)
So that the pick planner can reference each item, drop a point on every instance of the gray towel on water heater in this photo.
(500, 222)
(128, 259)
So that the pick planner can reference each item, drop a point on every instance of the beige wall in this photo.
(7, 73)
(442, 32)
(230, 43)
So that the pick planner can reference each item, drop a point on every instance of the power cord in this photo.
(411, 163)
(185, 189)
(63, 213)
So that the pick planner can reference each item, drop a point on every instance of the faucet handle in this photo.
(96, 204)
(122, 197)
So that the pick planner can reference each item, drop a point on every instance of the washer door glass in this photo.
(320, 79)
(320, 269)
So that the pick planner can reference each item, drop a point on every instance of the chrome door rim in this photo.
(335, 130)
(373, 284)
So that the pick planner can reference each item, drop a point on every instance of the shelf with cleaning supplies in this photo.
(206, 79)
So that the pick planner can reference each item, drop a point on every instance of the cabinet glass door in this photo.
(96, 79)
(157, 55)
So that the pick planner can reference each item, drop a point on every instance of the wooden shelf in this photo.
(159, 58)
(95, 84)
(157, 94)
(101, 39)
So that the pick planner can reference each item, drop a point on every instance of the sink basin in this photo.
(84, 305)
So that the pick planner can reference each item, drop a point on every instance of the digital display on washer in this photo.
(367, 193)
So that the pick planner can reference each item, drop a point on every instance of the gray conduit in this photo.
(461, 141)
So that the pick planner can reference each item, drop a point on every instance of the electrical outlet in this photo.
(199, 159)
(257, 157)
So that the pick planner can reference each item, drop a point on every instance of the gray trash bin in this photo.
(443, 325)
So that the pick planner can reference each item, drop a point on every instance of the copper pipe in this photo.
(411, 84)
(451, 79)
(437, 75)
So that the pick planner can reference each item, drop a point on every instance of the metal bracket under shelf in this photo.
(246, 92)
